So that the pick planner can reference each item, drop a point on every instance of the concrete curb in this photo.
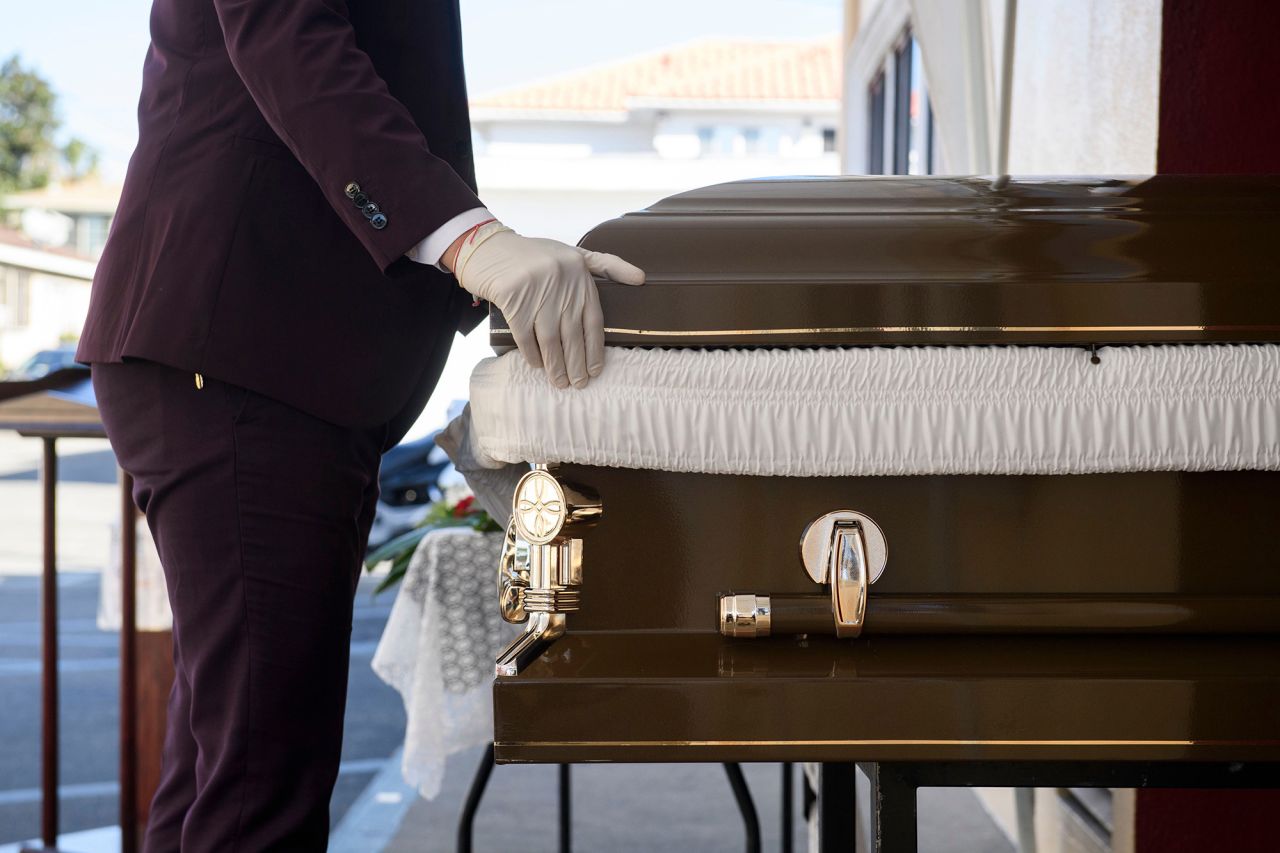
(375, 816)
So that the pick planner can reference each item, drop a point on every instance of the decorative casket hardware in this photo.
(843, 549)
(540, 571)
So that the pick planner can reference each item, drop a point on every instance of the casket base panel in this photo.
(1108, 617)
(643, 696)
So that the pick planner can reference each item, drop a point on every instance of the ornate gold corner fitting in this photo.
(540, 571)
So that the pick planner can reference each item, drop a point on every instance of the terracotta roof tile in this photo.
(711, 70)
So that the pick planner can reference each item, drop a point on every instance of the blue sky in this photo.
(92, 50)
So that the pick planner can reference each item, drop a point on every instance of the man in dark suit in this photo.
(271, 312)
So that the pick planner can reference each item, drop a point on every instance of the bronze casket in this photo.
(904, 469)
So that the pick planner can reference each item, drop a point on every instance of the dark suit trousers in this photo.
(261, 514)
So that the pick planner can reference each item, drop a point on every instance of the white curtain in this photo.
(961, 63)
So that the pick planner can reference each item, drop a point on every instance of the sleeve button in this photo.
(360, 199)
(378, 221)
(352, 189)
(370, 209)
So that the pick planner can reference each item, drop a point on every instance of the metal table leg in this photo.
(1025, 811)
(747, 807)
(466, 823)
(893, 808)
(566, 822)
(788, 796)
(808, 796)
(49, 653)
(128, 669)
(467, 820)
(837, 808)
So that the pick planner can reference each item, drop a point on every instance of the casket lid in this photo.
(928, 260)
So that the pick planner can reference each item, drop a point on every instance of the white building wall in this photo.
(57, 308)
(1085, 96)
(784, 134)
(565, 198)
(866, 9)
(665, 134)
(1086, 91)
(562, 138)
(562, 215)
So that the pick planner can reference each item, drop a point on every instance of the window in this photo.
(899, 115)
(15, 297)
(902, 108)
(828, 140)
(92, 235)
(875, 127)
(751, 140)
(705, 137)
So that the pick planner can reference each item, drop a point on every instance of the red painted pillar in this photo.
(1203, 821)
(1219, 114)
(1219, 87)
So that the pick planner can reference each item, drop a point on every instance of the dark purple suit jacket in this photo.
(238, 251)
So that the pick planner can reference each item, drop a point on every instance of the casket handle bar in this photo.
(847, 575)
(540, 572)
(843, 549)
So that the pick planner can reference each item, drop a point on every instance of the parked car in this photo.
(44, 362)
(413, 475)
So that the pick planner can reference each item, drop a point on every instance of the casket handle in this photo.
(847, 575)
(843, 549)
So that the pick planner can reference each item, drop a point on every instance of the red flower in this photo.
(463, 507)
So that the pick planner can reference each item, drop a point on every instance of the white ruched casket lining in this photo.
(899, 410)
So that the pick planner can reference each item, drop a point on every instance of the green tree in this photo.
(81, 158)
(28, 121)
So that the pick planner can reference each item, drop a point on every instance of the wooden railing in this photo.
(36, 410)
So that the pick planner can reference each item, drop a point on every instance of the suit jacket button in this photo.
(360, 199)
(352, 189)
(378, 221)
(370, 209)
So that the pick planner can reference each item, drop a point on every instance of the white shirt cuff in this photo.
(432, 249)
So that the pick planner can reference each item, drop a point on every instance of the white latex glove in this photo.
(545, 290)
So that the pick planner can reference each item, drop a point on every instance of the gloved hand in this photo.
(545, 290)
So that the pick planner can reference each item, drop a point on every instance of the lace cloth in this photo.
(438, 649)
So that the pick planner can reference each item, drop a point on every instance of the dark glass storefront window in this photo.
(875, 127)
(902, 92)
(900, 131)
